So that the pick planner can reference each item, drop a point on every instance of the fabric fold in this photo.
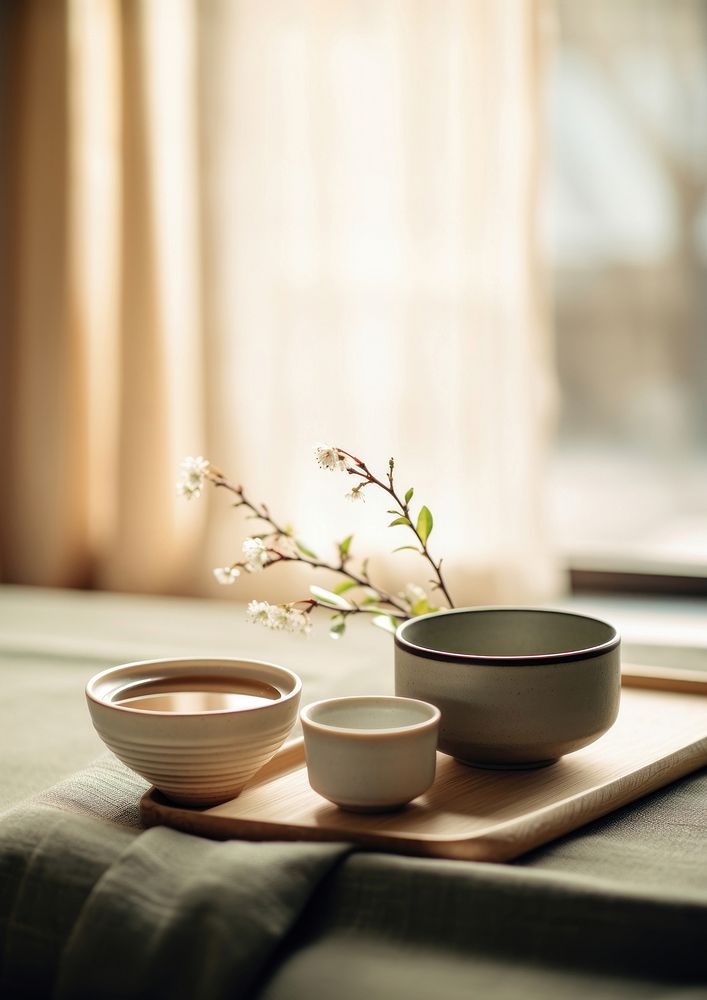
(50, 861)
(520, 915)
(180, 917)
(93, 907)
(387, 927)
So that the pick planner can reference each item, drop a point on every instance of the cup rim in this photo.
(191, 661)
(520, 659)
(387, 732)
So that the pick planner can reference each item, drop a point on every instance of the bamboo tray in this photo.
(472, 814)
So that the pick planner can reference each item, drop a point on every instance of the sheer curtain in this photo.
(277, 223)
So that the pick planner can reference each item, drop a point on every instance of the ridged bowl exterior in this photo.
(203, 758)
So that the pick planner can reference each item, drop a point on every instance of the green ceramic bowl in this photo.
(517, 687)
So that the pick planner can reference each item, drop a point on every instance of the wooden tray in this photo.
(660, 735)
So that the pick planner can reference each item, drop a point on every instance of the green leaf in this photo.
(304, 550)
(424, 524)
(400, 520)
(413, 548)
(330, 599)
(420, 607)
(385, 622)
(364, 569)
(345, 585)
(345, 546)
(337, 630)
(408, 495)
(370, 599)
(396, 512)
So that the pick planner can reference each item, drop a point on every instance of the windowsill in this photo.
(636, 518)
(620, 580)
(669, 631)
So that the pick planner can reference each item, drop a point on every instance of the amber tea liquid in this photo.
(191, 695)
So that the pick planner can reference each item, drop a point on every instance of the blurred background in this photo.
(468, 233)
(628, 227)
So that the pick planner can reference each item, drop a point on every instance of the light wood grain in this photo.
(663, 679)
(470, 813)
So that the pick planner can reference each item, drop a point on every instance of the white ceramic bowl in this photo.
(517, 687)
(227, 720)
(370, 753)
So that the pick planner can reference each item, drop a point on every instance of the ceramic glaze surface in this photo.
(515, 687)
(197, 757)
(370, 754)
(509, 632)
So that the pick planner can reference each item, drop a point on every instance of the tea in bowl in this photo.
(516, 687)
(198, 729)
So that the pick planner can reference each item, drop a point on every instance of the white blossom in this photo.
(330, 457)
(412, 594)
(197, 467)
(257, 611)
(255, 553)
(193, 471)
(298, 621)
(188, 489)
(355, 494)
(278, 616)
(226, 574)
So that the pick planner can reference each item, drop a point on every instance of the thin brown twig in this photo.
(262, 512)
(366, 473)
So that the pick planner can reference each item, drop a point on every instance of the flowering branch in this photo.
(278, 544)
(421, 529)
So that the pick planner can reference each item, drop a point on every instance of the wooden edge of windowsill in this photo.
(664, 679)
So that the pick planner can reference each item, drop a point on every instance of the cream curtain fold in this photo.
(237, 228)
(103, 367)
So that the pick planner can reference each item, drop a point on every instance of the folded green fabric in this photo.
(513, 914)
(196, 918)
(658, 842)
(400, 927)
(50, 861)
(106, 790)
(91, 906)
(90, 909)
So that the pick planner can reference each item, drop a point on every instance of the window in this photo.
(628, 229)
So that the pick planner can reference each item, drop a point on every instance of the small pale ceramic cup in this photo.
(370, 753)
(517, 687)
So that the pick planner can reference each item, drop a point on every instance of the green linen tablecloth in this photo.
(92, 906)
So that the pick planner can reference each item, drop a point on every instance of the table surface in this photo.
(52, 641)
(633, 884)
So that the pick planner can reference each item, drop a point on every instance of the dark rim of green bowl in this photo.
(523, 659)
